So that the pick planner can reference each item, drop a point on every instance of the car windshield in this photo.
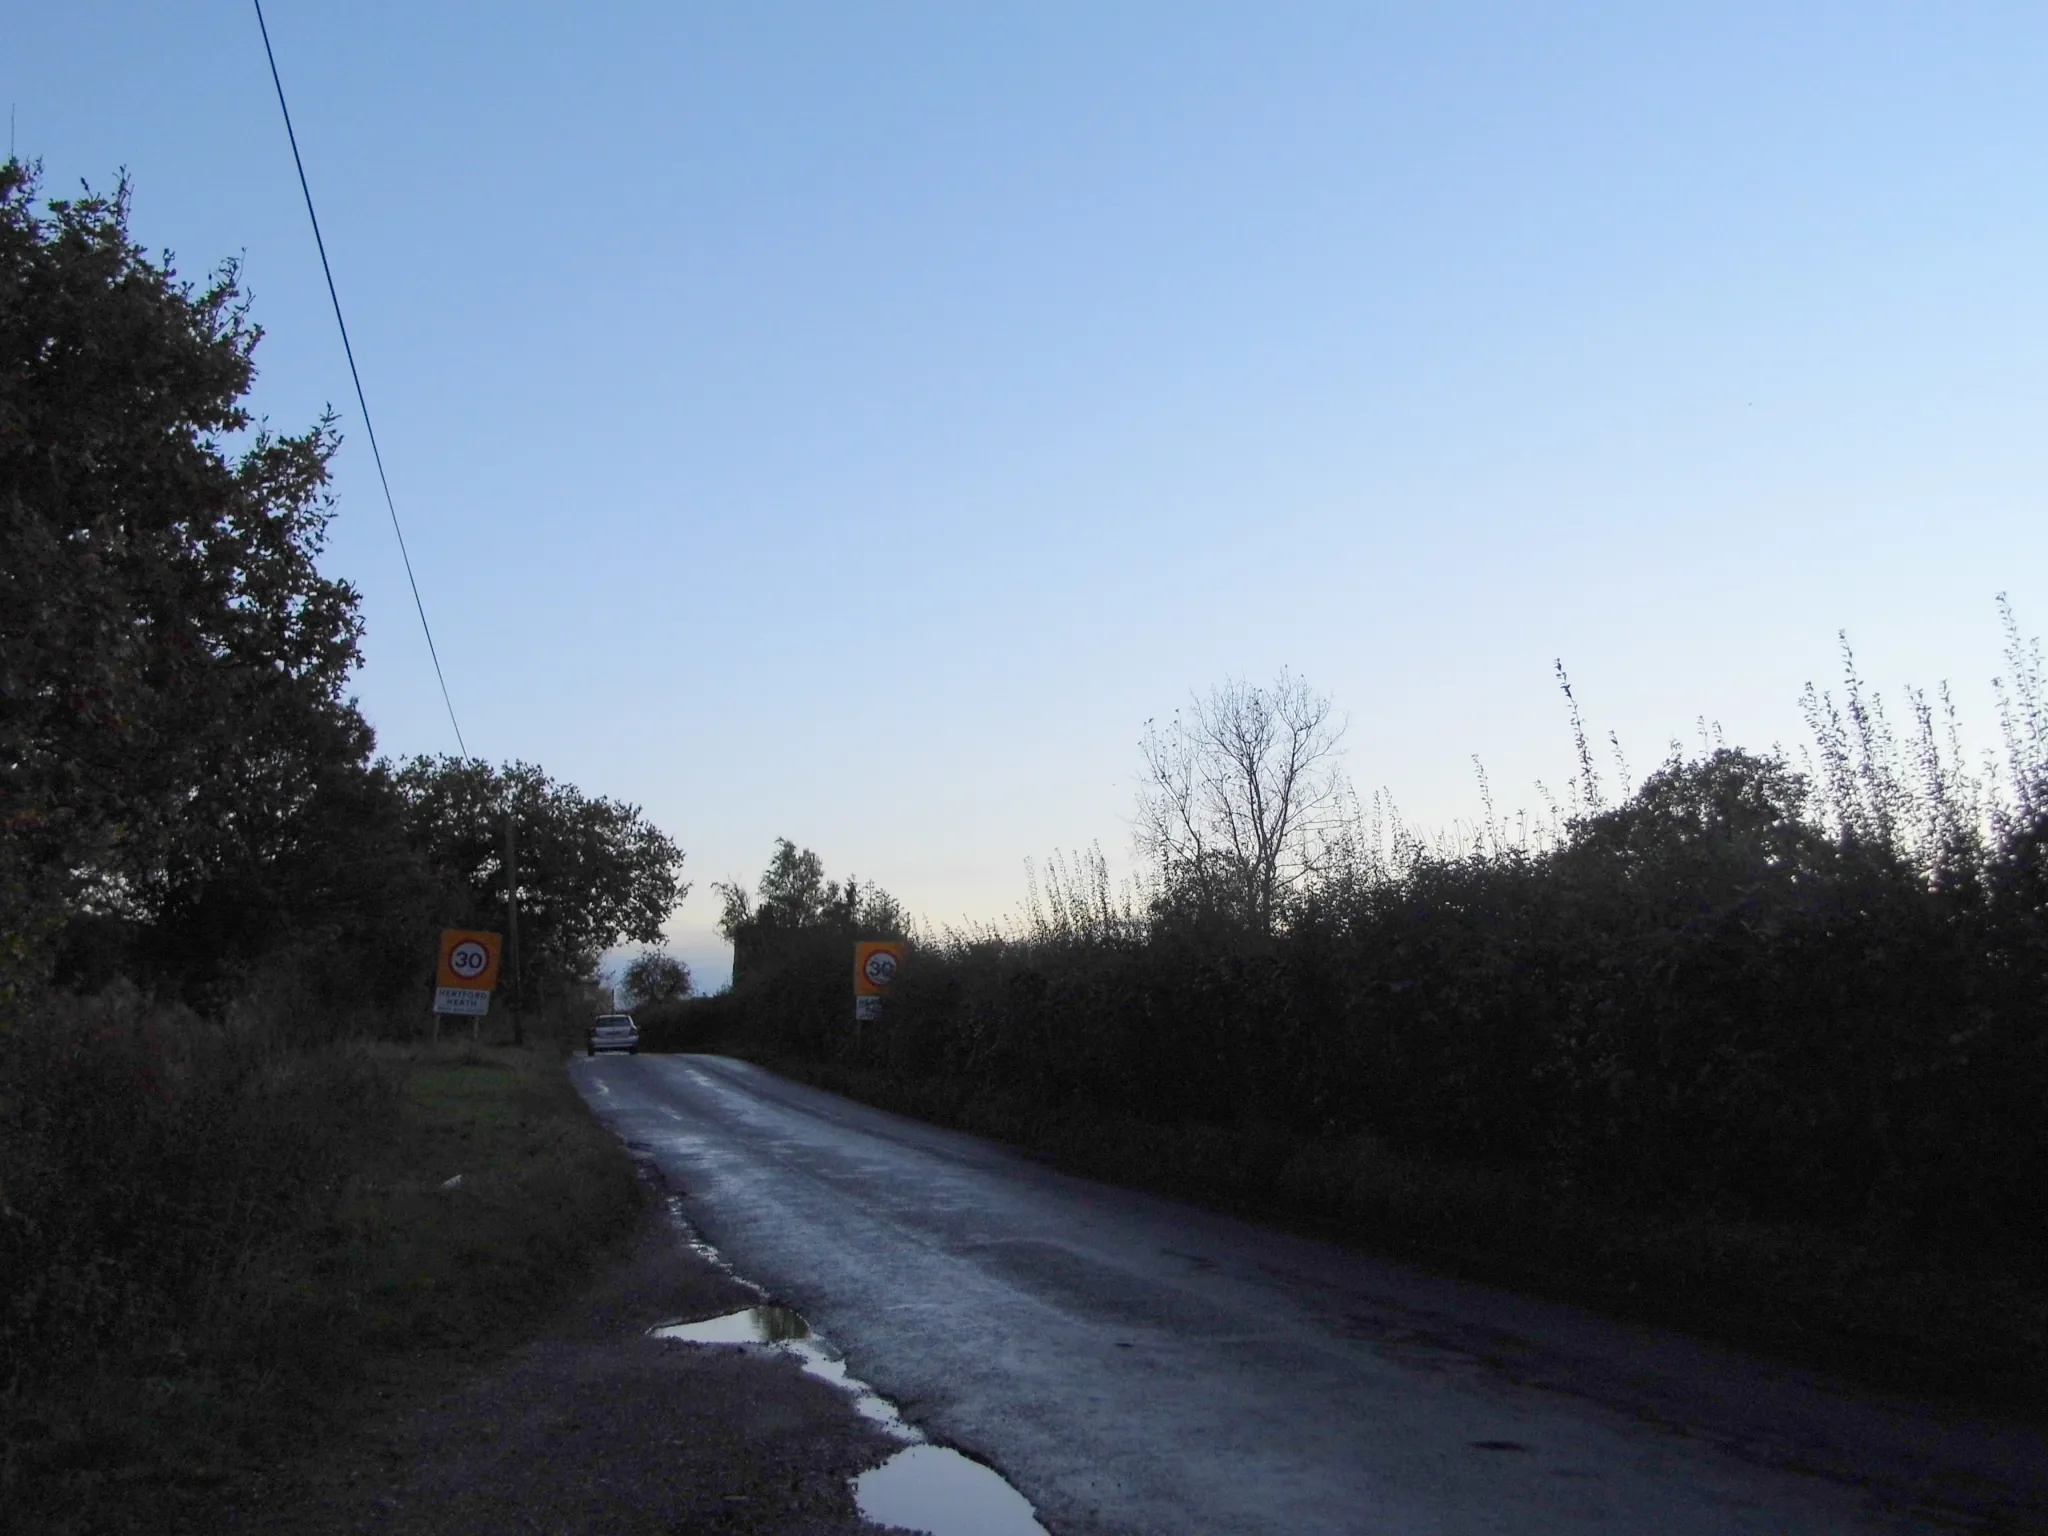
(615, 1021)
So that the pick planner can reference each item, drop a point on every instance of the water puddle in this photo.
(929, 1488)
(756, 1325)
(923, 1487)
(787, 1330)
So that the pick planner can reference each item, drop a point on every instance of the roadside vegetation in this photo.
(1752, 1045)
(247, 1249)
(225, 1222)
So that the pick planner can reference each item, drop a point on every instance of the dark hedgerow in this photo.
(1770, 1001)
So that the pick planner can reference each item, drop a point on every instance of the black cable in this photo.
(364, 404)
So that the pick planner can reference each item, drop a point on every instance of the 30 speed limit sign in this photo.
(875, 964)
(468, 971)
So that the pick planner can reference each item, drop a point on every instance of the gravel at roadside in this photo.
(598, 1427)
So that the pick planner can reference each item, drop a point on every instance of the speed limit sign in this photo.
(875, 964)
(467, 972)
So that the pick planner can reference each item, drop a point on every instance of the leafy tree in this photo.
(794, 894)
(172, 662)
(793, 886)
(655, 977)
(797, 898)
(872, 912)
(592, 872)
(1735, 815)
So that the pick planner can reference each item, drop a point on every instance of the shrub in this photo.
(152, 1161)
(1704, 998)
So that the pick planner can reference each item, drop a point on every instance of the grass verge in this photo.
(1975, 1335)
(476, 1194)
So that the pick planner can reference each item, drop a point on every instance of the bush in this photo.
(1699, 1000)
(668, 1026)
(216, 1252)
(154, 1161)
(1753, 1032)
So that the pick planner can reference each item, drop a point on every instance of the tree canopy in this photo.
(797, 898)
(655, 977)
(592, 872)
(187, 789)
(173, 663)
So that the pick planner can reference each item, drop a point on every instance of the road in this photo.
(1134, 1364)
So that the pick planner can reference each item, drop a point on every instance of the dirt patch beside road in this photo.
(598, 1427)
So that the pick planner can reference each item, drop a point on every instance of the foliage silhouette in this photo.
(653, 977)
(1738, 992)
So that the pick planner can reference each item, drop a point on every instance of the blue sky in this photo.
(851, 422)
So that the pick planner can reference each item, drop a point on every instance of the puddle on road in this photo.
(923, 1487)
(929, 1488)
(755, 1325)
(945, 1494)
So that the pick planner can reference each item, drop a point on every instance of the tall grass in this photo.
(153, 1161)
(218, 1246)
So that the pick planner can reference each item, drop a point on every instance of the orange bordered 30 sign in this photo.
(467, 972)
(876, 963)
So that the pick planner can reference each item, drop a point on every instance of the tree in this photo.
(1243, 801)
(172, 662)
(794, 895)
(796, 898)
(793, 887)
(654, 977)
(592, 872)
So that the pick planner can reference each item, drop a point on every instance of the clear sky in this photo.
(852, 421)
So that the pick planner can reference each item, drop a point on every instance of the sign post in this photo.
(512, 921)
(876, 963)
(467, 973)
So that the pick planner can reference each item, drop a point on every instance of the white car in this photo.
(614, 1032)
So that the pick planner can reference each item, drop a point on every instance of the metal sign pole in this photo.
(512, 922)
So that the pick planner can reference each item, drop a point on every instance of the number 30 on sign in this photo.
(875, 964)
(467, 972)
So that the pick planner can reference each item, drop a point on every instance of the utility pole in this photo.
(512, 918)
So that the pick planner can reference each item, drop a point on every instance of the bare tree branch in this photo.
(1243, 802)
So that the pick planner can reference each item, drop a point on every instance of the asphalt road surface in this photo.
(1134, 1364)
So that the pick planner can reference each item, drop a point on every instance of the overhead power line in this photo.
(361, 403)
